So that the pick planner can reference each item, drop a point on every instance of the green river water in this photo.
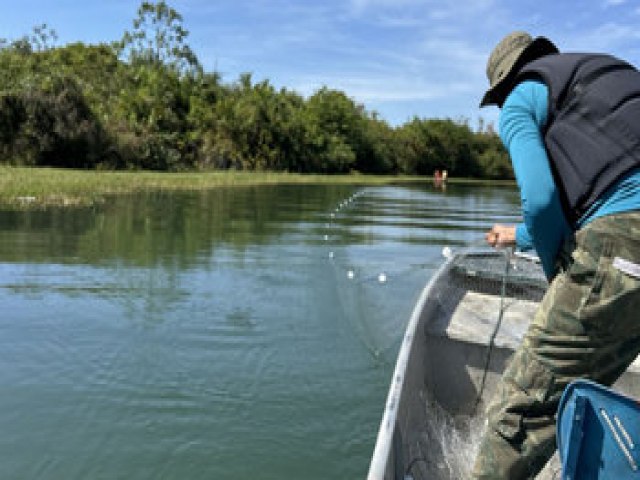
(245, 333)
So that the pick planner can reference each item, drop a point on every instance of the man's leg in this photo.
(587, 326)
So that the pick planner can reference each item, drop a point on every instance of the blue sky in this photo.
(400, 58)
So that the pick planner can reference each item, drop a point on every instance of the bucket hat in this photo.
(508, 57)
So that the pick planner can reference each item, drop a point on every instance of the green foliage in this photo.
(492, 158)
(158, 39)
(145, 102)
(42, 38)
(50, 125)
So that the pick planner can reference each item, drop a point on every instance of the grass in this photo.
(22, 187)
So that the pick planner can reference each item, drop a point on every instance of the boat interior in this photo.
(471, 318)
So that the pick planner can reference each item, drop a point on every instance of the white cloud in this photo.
(385, 88)
(425, 57)
(422, 9)
(361, 5)
(608, 37)
(399, 21)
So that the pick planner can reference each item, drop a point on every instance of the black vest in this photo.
(593, 128)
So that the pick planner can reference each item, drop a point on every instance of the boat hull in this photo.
(462, 332)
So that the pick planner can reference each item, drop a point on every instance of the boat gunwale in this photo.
(384, 440)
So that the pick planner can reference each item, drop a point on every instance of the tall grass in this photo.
(37, 187)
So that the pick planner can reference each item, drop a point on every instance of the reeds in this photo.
(22, 187)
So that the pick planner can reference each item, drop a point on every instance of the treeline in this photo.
(145, 102)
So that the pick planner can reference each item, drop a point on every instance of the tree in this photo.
(159, 39)
(41, 39)
(492, 157)
(51, 126)
(155, 98)
(147, 103)
(337, 127)
(379, 152)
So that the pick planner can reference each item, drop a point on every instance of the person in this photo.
(437, 179)
(571, 125)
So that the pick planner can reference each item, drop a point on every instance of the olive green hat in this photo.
(513, 51)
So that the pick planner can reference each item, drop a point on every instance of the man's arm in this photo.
(522, 120)
(509, 235)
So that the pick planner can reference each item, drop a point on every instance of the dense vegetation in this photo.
(145, 102)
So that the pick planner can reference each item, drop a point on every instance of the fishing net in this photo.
(480, 299)
(499, 272)
(485, 296)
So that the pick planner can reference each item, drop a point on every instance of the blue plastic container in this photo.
(598, 433)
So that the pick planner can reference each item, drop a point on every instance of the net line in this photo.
(444, 446)
(506, 274)
(368, 279)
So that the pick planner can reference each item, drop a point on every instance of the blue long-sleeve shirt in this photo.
(522, 120)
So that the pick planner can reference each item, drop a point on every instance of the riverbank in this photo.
(27, 188)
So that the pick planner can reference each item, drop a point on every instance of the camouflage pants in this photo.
(588, 326)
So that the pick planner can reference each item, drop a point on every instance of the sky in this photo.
(399, 58)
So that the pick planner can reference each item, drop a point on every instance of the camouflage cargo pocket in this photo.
(613, 300)
(528, 389)
(599, 266)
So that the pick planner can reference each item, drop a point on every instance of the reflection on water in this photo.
(237, 333)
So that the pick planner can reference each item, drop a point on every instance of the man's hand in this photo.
(501, 236)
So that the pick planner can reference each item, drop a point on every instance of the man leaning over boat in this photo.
(571, 124)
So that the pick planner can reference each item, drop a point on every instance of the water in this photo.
(238, 333)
